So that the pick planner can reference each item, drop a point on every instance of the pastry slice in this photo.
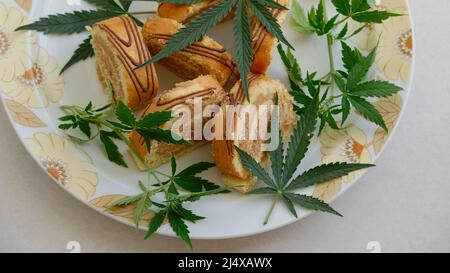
(263, 91)
(183, 95)
(263, 41)
(119, 49)
(205, 57)
(186, 13)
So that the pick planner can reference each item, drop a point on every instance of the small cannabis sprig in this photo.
(176, 188)
(316, 20)
(350, 81)
(88, 118)
(283, 183)
(172, 208)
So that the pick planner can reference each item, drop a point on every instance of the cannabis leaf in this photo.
(156, 223)
(259, 9)
(360, 11)
(179, 227)
(125, 4)
(242, 38)
(302, 97)
(69, 23)
(147, 127)
(357, 73)
(293, 67)
(300, 19)
(350, 56)
(318, 22)
(283, 184)
(111, 148)
(378, 89)
(189, 181)
(355, 90)
(83, 52)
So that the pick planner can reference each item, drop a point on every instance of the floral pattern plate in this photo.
(32, 91)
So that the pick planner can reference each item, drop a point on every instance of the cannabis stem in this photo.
(342, 20)
(142, 12)
(269, 214)
(101, 121)
(330, 40)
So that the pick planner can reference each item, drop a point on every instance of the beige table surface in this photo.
(404, 203)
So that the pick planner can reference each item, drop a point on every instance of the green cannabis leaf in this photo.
(69, 23)
(316, 21)
(359, 10)
(242, 38)
(355, 90)
(147, 127)
(300, 19)
(83, 52)
(283, 183)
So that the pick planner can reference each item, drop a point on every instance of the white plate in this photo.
(86, 173)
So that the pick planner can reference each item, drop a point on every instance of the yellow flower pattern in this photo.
(16, 47)
(64, 163)
(39, 84)
(390, 108)
(347, 145)
(396, 43)
(125, 213)
(25, 4)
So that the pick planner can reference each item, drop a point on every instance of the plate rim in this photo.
(279, 225)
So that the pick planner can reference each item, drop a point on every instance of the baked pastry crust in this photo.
(263, 41)
(186, 13)
(204, 57)
(263, 91)
(205, 87)
(119, 49)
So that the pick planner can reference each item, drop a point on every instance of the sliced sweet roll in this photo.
(184, 95)
(204, 57)
(263, 90)
(119, 49)
(186, 13)
(263, 41)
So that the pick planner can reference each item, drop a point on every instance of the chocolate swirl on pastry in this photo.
(263, 41)
(119, 50)
(205, 87)
(204, 57)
